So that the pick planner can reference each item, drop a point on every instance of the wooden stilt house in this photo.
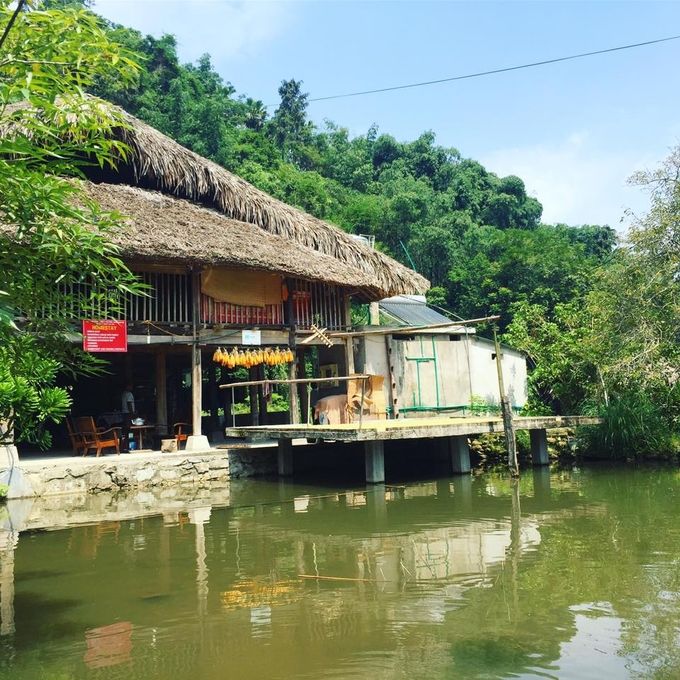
(226, 265)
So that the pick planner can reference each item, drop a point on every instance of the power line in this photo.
(479, 74)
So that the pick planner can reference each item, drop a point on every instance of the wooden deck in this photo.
(409, 428)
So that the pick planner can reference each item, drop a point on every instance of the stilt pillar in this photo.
(374, 453)
(539, 447)
(196, 441)
(285, 457)
(460, 455)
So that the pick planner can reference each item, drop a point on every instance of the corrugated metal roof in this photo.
(411, 311)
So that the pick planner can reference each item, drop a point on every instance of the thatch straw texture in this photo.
(166, 165)
(159, 163)
(193, 234)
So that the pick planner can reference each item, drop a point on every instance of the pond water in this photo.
(561, 575)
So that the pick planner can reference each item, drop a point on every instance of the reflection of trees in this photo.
(458, 582)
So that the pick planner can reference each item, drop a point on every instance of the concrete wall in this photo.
(485, 376)
(54, 476)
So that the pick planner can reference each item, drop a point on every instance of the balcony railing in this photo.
(169, 301)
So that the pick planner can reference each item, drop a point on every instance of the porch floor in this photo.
(39, 458)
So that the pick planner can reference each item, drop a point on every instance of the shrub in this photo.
(634, 427)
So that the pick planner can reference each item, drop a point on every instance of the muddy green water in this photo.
(564, 575)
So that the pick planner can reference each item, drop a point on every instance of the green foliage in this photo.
(28, 397)
(614, 349)
(554, 342)
(496, 269)
(48, 58)
(481, 407)
(634, 427)
(4, 489)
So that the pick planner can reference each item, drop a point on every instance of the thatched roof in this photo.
(159, 163)
(193, 234)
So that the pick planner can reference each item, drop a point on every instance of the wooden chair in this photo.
(97, 438)
(75, 436)
(180, 433)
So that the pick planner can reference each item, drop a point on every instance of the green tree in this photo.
(289, 126)
(51, 235)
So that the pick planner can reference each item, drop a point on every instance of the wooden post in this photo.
(213, 399)
(349, 355)
(374, 313)
(304, 396)
(196, 388)
(347, 321)
(196, 441)
(262, 399)
(392, 388)
(253, 394)
(292, 367)
(161, 392)
(506, 411)
(293, 392)
(196, 368)
(361, 405)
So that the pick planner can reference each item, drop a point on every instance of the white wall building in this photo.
(449, 369)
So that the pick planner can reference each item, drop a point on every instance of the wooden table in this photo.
(140, 429)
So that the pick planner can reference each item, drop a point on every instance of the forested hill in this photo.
(476, 236)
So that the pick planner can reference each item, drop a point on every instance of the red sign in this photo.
(105, 336)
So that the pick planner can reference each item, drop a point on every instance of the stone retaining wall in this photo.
(136, 471)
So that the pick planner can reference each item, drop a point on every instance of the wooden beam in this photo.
(392, 382)
(294, 381)
(411, 329)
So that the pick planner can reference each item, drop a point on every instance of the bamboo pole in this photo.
(392, 387)
(506, 411)
(410, 329)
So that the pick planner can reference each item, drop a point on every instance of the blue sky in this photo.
(573, 131)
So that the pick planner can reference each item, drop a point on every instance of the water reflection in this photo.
(549, 576)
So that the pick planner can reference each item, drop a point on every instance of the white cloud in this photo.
(226, 30)
(576, 182)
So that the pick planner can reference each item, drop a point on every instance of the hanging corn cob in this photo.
(237, 358)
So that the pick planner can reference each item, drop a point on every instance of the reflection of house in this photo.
(220, 257)
(440, 369)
